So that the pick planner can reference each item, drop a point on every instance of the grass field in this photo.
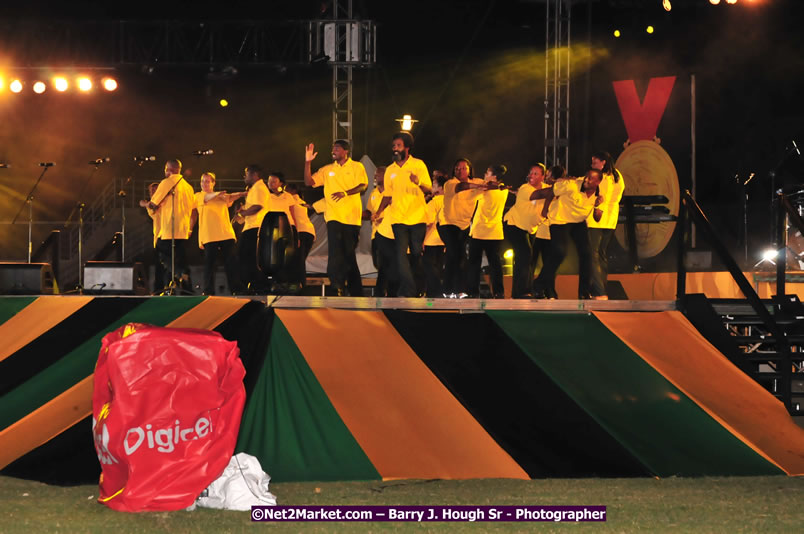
(740, 504)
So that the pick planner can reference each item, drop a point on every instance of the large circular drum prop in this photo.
(648, 170)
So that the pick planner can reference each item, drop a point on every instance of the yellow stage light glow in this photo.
(617, 33)
(649, 29)
(110, 84)
(508, 254)
(731, 1)
(84, 84)
(666, 5)
(2, 83)
(15, 86)
(60, 83)
(223, 102)
(714, 2)
(39, 87)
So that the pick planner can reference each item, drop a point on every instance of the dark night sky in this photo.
(471, 71)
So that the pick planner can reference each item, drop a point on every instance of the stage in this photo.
(369, 388)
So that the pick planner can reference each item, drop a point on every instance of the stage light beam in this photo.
(60, 83)
(15, 86)
(84, 84)
(39, 87)
(110, 84)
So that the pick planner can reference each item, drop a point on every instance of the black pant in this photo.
(599, 239)
(492, 249)
(250, 275)
(342, 261)
(455, 259)
(541, 247)
(560, 234)
(524, 264)
(164, 248)
(160, 277)
(433, 270)
(211, 250)
(387, 266)
(306, 240)
(409, 236)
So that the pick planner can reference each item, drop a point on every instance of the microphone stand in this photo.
(745, 214)
(29, 200)
(80, 207)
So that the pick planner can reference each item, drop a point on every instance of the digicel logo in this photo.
(165, 439)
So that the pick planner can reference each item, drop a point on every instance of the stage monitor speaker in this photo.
(26, 279)
(114, 278)
(615, 290)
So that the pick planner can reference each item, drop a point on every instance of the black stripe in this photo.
(528, 415)
(60, 340)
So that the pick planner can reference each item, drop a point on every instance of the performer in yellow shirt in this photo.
(306, 232)
(215, 233)
(459, 205)
(250, 215)
(433, 244)
(574, 199)
(343, 181)
(521, 223)
(406, 182)
(174, 199)
(486, 233)
(383, 249)
(601, 232)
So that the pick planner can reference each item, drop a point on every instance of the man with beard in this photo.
(574, 199)
(406, 183)
(343, 181)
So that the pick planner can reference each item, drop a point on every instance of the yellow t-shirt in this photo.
(257, 196)
(299, 210)
(341, 178)
(570, 205)
(213, 220)
(487, 222)
(459, 207)
(157, 223)
(184, 200)
(407, 199)
(612, 194)
(526, 214)
(384, 226)
(281, 203)
(435, 215)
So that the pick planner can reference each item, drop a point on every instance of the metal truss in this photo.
(557, 64)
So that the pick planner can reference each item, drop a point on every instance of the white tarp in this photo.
(242, 484)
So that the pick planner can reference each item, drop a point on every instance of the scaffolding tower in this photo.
(557, 63)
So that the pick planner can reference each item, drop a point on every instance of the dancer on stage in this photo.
(215, 233)
(433, 244)
(159, 273)
(383, 248)
(601, 232)
(343, 181)
(486, 233)
(574, 199)
(306, 232)
(406, 182)
(250, 215)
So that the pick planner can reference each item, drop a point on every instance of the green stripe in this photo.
(290, 425)
(11, 306)
(653, 419)
(80, 363)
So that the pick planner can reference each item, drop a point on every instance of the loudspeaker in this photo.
(111, 277)
(26, 279)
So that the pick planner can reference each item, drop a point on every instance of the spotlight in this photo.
(731, 1)
(15, 86)
(110, 84)
(84, 84)
(406, 122)
(223, 102)
(508, 254)
(60, 83)
(666, 5)
(617, 33)
(769, 255)
(649, 29)
(714, 2)
(39, 87)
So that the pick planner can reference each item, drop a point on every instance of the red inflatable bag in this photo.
(166, 410)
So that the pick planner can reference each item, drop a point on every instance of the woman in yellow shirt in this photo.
(601, 232)
(521, 223)
(215, 233)
(486, 233)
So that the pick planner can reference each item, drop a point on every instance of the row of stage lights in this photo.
(59, 83)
